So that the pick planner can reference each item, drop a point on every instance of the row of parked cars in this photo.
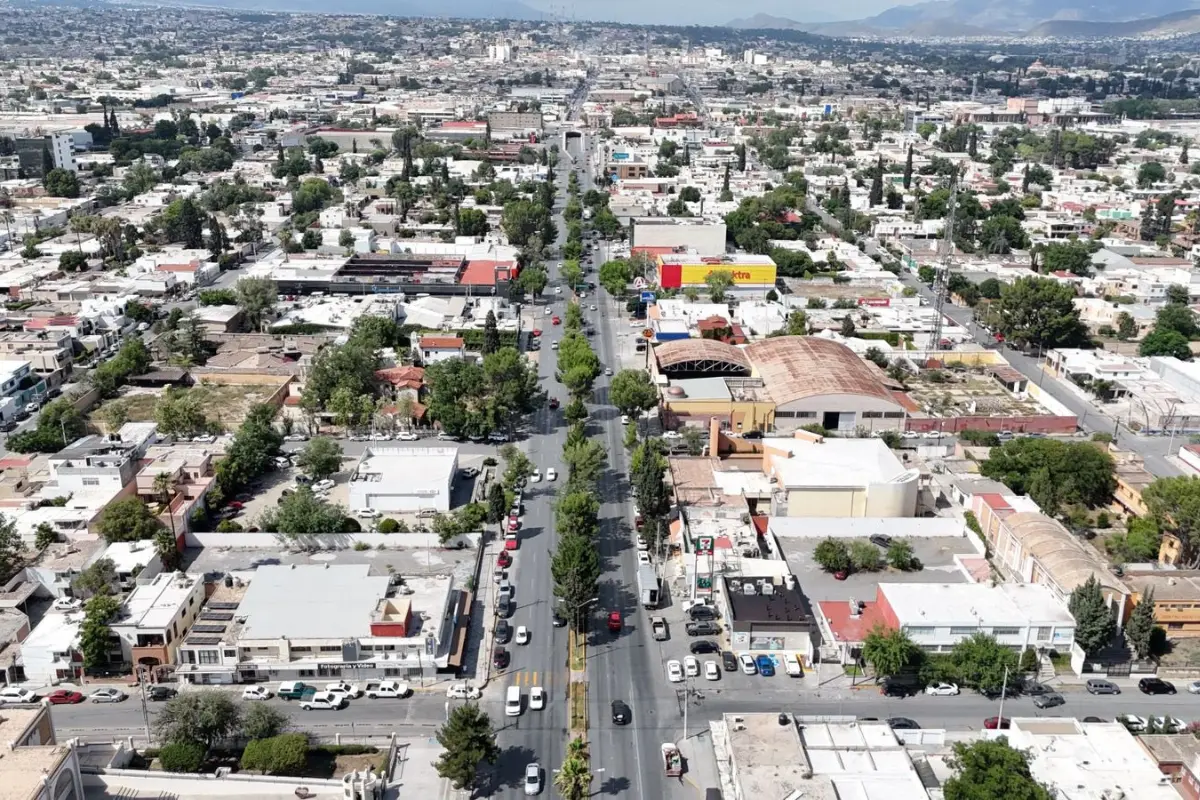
(333, 697)
(69, 697)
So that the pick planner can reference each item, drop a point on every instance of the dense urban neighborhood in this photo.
(476, 408)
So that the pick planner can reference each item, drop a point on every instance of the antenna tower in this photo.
(941, 280)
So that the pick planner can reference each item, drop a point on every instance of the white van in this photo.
(512, 702)
(791, 662)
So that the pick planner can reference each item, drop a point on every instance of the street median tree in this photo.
(468, 741)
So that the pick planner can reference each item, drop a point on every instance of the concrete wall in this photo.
(120, 782)
(326, 541)
(1016, 424)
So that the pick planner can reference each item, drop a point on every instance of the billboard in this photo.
(673, 276)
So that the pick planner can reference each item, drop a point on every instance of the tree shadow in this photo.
(509, 770)
(614, 785)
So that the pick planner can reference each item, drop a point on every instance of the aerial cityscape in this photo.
(526, 399)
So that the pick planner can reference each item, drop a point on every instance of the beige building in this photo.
(34, 765)
(817, 477)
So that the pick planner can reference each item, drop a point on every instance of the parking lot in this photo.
(936, 555)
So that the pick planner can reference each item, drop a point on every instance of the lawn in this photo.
(578, 711)
(226, 405)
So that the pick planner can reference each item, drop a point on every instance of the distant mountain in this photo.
(1015, 16)
(460, 9)
(1182, 22)
(767, 22)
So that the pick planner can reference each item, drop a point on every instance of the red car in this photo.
(841, 575)
(553, 403)
(504, 560)
(513, 524)
(511, 542)
(235, 505)
(997, 723)
(536, 332)
(556, 320)
(61, 697)
(614, 621)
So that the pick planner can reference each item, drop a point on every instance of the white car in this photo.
(108, 695)
(533, 779)
(942, 689)
(1194, 687)
(551, 474)
(674, 671)
(593, 308)
(462, 691)
(910, 435)
(68, 604)
(537, 698)
(624, 419)
(691, 666)
(643, 557)
(295, 437)
(932, 434)
(608, 370)
(672, 435)
(406, 436)
(558, 290)
(325, 701)
(549, 312)
(554, 345)
(15, 694)
(204, 438)
(1133, 722)
(1168, 724)
(341, 687)
(747, 662)
(522, 636)
(711, 671)
(536, 477)
(256, 693)
(323, 485)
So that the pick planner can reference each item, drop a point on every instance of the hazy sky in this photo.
(716, 12)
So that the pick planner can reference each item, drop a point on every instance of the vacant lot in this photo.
(225, 405)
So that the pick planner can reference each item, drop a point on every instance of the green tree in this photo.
(577, 513)
(301, 512)
(472, 222)
(94, 633)
(585, 461)
(1165, 343)
(522, 219)
(1139, 630)
(1126, 326)
(864, 556)
(468, 740)
(1150, 173)
(1095, 624)
(648, 470)
(346, 239)
(517, 467)
(900, 555)
(262, 721)
(986, 769)
(45, 536)
(320, 458)
(718, 282)
(574, 779)
(1039, 311)
(61, 183)
(72, 261)
(1174, 503)
(1073, 257)
(98, 578)
(832, 555)
(1054, 473)
(497, 505)
(575, 568)
(127, 520)
(256, 297)
(491, 336)
(205, 718)
(532, 280)
(632, 392)
(285, 754)
(615, 276)
(181, 757)
(1001, 235)
(1176, 317)
(180, 413)
(981, 661)
(890, 652)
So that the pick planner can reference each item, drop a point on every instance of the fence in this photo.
(249, 540)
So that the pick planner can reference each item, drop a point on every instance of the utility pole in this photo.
(941, 281)
(141, 676)
(1003, 691)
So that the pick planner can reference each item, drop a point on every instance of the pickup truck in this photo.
(295, 690)
(376, 689)
(659, 626)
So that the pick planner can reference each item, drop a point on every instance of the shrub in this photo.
(360, 546)
(345, 749)
(182, 757)
(285, 754)
(1029, 661)
(388, 525)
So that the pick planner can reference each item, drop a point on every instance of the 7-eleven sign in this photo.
(704, 546)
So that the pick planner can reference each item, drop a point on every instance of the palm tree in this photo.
(574, 779)
(162, 487)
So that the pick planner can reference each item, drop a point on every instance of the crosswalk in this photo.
(520, 678)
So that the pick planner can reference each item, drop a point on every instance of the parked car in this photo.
(1049, 700)
(108, 694)
(15, 694)
(711, 671)
(256, 693)
(942, 689)
(766, 667)
(295, 690)
(500, 658)
(674, 671)
(729, 661)
(61, 697)
(407, 436)
(1097, 686)
(747, 663)
(376, 689)
(903, 724)
(462, 691)
(67, 604)
(691, 667)
(702, 628)
(160, 693)
(341, 687)
(997, 723)
(881, 540)
(704, 646)
(1155, 686)
(503, 631)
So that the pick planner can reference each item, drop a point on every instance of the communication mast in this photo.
(941, 279)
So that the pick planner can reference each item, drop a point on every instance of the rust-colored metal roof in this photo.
(796, 367)
(681, 351)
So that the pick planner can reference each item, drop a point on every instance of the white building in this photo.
(839, 478)
(403, 479)
(157, 615)
(51, 651)
(938, 616)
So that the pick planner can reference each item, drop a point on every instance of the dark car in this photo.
(1097, 686)
(503, 631)
(702, 612)
(160, 693)
(704, 646)
(881, 540)
(729, 661)
(500, 658)
(1094, 719)
(1049, 700)
(505, 607)
(898, 687)
(903, 724)
(1033, 688)
(621, 714)
(1156, 686)
(558, 620)
(702, 628)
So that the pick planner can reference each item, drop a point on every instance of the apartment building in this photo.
(156, 616)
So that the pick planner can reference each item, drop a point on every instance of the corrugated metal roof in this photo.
(681, 351)
(796, 367)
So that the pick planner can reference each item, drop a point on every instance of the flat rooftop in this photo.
(834, 463)
(417, 468)
(311, 602)
(864, 761)
(156, 604)
(769, 759)
(947, 604)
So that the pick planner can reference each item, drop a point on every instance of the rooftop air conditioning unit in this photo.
(748, 588)
(768, 588)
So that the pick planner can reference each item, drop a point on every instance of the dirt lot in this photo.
(226, 405)
(968, 392)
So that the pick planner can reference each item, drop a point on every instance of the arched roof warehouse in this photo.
(688, 356)
(798, 367)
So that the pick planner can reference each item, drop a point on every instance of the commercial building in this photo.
(1176, 599)
(312, 622)
(37, 155)
(157, 616)
(444, 273)
(838, 478)
(403, 479)
(768, 615)
(938, 616)
(663, 235)
(35, 765)
(750, 273)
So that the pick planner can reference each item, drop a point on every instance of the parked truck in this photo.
(647, 580)
(659, 626)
